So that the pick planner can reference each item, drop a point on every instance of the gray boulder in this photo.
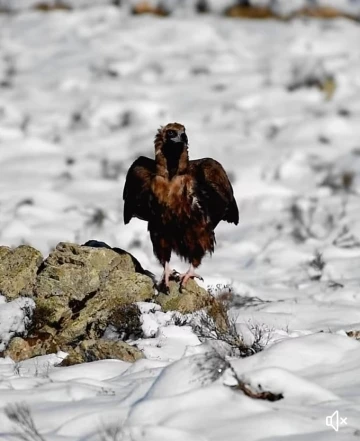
(18, 269)
(81, 290)
(79, 287)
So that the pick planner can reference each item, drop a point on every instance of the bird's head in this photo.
(171, 143)
(172, 134)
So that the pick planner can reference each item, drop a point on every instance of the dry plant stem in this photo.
(249, 392)
(263, 395)
(206, 328)
(20, 415)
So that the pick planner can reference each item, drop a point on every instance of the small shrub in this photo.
(316, 266)
(249, 12)
(345, 239)
(343, 182)
(126, 322)
(144, 7)
(96, 218)
(206, 328)
(202, 7)
(20, 415)
(40, 317)
(111, 170)
(180, 320)
(52, 6)
(324, 12)
(309, 73)
(311, 220)
(318, 262)
(111, 433)
(256, 393)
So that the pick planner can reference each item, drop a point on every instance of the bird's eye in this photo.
(171, 133)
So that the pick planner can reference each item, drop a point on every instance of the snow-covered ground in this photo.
(82, 95)
(279, 7)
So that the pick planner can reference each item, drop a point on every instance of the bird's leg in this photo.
(166, 275)
(190, 274)
(167, 272)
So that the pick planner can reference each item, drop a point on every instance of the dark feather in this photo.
(137, 193)
(214, 191)
(183, 201)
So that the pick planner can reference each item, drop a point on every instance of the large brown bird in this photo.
(182, 200)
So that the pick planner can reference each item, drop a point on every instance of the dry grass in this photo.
(250, 12)
(340, 183)
(257, 12)
(144, 7)
(328, 87)
(204, 326)
(126, 321)
(52, 6)
(202, 6)
(257, 394)
(25, 427)
(111, 433)
(324, 12)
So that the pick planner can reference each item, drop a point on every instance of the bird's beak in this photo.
(184, 138)
(181, 138)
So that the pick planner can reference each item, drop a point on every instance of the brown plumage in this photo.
(183, 201)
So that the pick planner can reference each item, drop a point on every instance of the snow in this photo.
(83, 93)
(15, 318)
(181, 7)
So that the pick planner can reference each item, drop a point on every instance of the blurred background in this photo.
(270, 88)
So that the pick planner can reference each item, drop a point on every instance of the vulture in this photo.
(181, 200)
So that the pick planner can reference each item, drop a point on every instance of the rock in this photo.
(88, 350)
(137, 264)
(146, 7)
(18, 350)
(81, 292)
(91, 350)
(77, 271)
(18, 269)
(192, 298)
(21, 349)
(79, 287)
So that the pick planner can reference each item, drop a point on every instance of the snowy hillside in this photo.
(280, 8)
(82, 95)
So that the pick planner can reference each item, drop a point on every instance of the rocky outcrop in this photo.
(190, 299)
(79, 287)
(82, 290)
(91, 350)
(86, 350)
(18, 268)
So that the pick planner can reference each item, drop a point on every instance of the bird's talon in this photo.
(175, 275)
(162, 287)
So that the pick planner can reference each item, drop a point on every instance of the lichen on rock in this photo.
(191, 298)
(79, 287)
(80, 292)
(18, 269)
(91, 350)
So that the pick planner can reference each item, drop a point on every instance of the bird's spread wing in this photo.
(137, 192)
(214, 191)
